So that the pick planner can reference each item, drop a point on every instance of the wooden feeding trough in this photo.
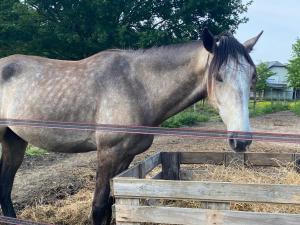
(131, 189)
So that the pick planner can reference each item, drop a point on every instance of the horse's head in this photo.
(230, 76)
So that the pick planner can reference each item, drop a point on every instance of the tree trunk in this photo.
(254, 102)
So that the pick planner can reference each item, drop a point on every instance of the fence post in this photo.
(170, 165)
(126, 201)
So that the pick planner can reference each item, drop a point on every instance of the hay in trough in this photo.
(258, 175)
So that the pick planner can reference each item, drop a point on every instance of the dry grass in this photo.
(73, 210)
(76, 209)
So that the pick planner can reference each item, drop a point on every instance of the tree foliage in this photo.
(294, 67)
(263, 73)
(18, 26)
(75, 29)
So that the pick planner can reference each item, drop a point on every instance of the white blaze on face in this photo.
(232, 94)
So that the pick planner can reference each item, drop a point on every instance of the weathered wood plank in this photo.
(250, 158)
(206, 191)
(141, 169)
(170, 162)
(131, 172)
(150, 163)
(216, 158)
(192, 216)
(268, 159)
(125, 202)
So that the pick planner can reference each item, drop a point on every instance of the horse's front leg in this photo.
(111, 162)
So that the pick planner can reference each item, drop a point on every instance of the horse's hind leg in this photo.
(13, 149)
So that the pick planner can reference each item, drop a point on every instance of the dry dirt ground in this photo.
(45, 179)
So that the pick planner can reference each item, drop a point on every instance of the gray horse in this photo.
(126, 87)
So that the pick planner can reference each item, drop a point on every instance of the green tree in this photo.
(263, 73)
(294, 67)
(75, 29)
(18, 25)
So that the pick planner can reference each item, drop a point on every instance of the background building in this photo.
(278, 88)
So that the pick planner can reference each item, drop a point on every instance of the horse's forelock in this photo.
(227, 47)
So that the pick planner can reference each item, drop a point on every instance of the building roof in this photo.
(274, 64)
(277, 85)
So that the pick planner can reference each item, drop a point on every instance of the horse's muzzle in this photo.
(239, 142)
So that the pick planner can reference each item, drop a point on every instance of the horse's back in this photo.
(47, 68)
(93, 90)
(37, 85)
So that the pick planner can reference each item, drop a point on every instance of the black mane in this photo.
(227, 47)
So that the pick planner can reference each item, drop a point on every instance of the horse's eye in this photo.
(219, 78)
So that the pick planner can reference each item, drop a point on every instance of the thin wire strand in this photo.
(187, 132)
(15, 221)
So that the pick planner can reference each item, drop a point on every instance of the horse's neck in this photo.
(174, 80)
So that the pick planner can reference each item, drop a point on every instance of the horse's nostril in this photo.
(239, 144)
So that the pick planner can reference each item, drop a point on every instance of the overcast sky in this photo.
(280, 20)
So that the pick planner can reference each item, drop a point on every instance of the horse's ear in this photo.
(251, 42)
(208, 40)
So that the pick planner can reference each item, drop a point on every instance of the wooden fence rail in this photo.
(206, 191)
(131, 186)
(191, 216)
